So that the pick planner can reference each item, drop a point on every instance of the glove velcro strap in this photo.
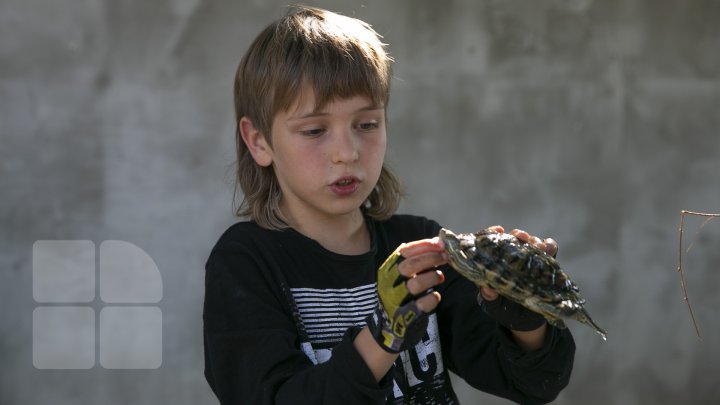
(408, 325)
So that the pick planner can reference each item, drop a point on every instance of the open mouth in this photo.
(346, 185)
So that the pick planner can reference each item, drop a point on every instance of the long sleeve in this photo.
(251, 343)
(267, 313)
(484, 354)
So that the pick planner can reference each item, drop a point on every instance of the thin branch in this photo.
(680, 251)
(710, 218)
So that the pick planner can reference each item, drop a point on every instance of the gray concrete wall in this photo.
(594, 122)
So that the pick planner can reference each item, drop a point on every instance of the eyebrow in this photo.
(371, 107)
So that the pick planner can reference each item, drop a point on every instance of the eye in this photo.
(312, 131)
(368, 126)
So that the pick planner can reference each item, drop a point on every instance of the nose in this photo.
(345, 147)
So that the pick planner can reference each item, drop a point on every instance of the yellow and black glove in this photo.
(397, 322)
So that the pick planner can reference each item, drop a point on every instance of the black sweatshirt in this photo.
(281, 313)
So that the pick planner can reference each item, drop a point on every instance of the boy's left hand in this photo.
(509, 313)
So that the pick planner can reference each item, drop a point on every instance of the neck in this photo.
(344, 234)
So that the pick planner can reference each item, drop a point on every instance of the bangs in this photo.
(341, 58)
(338, 76)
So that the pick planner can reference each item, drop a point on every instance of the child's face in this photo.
(328, 161)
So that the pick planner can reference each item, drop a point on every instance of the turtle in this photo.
(519, 271)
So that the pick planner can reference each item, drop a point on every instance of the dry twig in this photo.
(680, 252)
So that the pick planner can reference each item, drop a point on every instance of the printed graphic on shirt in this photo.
(419, 372)
(326, 314)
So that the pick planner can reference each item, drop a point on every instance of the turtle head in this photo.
(450, 240)
(461, 251)
(457, 245)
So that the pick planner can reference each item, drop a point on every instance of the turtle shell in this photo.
(519, 271)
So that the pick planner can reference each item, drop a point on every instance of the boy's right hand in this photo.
(405, 290)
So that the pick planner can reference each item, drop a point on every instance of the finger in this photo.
(521, 235)
(410, 249)
(421, 262)
(538, 243)
(496, 228)
(551, 247)
(428, 303)
(527, 238)
(488, 294)
(422, 282)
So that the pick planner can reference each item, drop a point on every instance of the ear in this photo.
(255, 142)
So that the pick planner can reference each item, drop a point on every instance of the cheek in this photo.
(375, 142)
(375, 157)
(378, 147)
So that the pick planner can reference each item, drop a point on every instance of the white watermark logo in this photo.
(67, 331)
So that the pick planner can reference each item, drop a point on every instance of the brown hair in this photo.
(340, 57)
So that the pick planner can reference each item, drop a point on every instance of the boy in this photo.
(301, 304)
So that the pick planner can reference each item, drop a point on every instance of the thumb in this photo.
(488, 294)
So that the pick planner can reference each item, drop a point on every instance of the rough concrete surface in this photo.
(594, 122)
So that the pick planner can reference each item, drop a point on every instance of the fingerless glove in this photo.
(397, 323)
